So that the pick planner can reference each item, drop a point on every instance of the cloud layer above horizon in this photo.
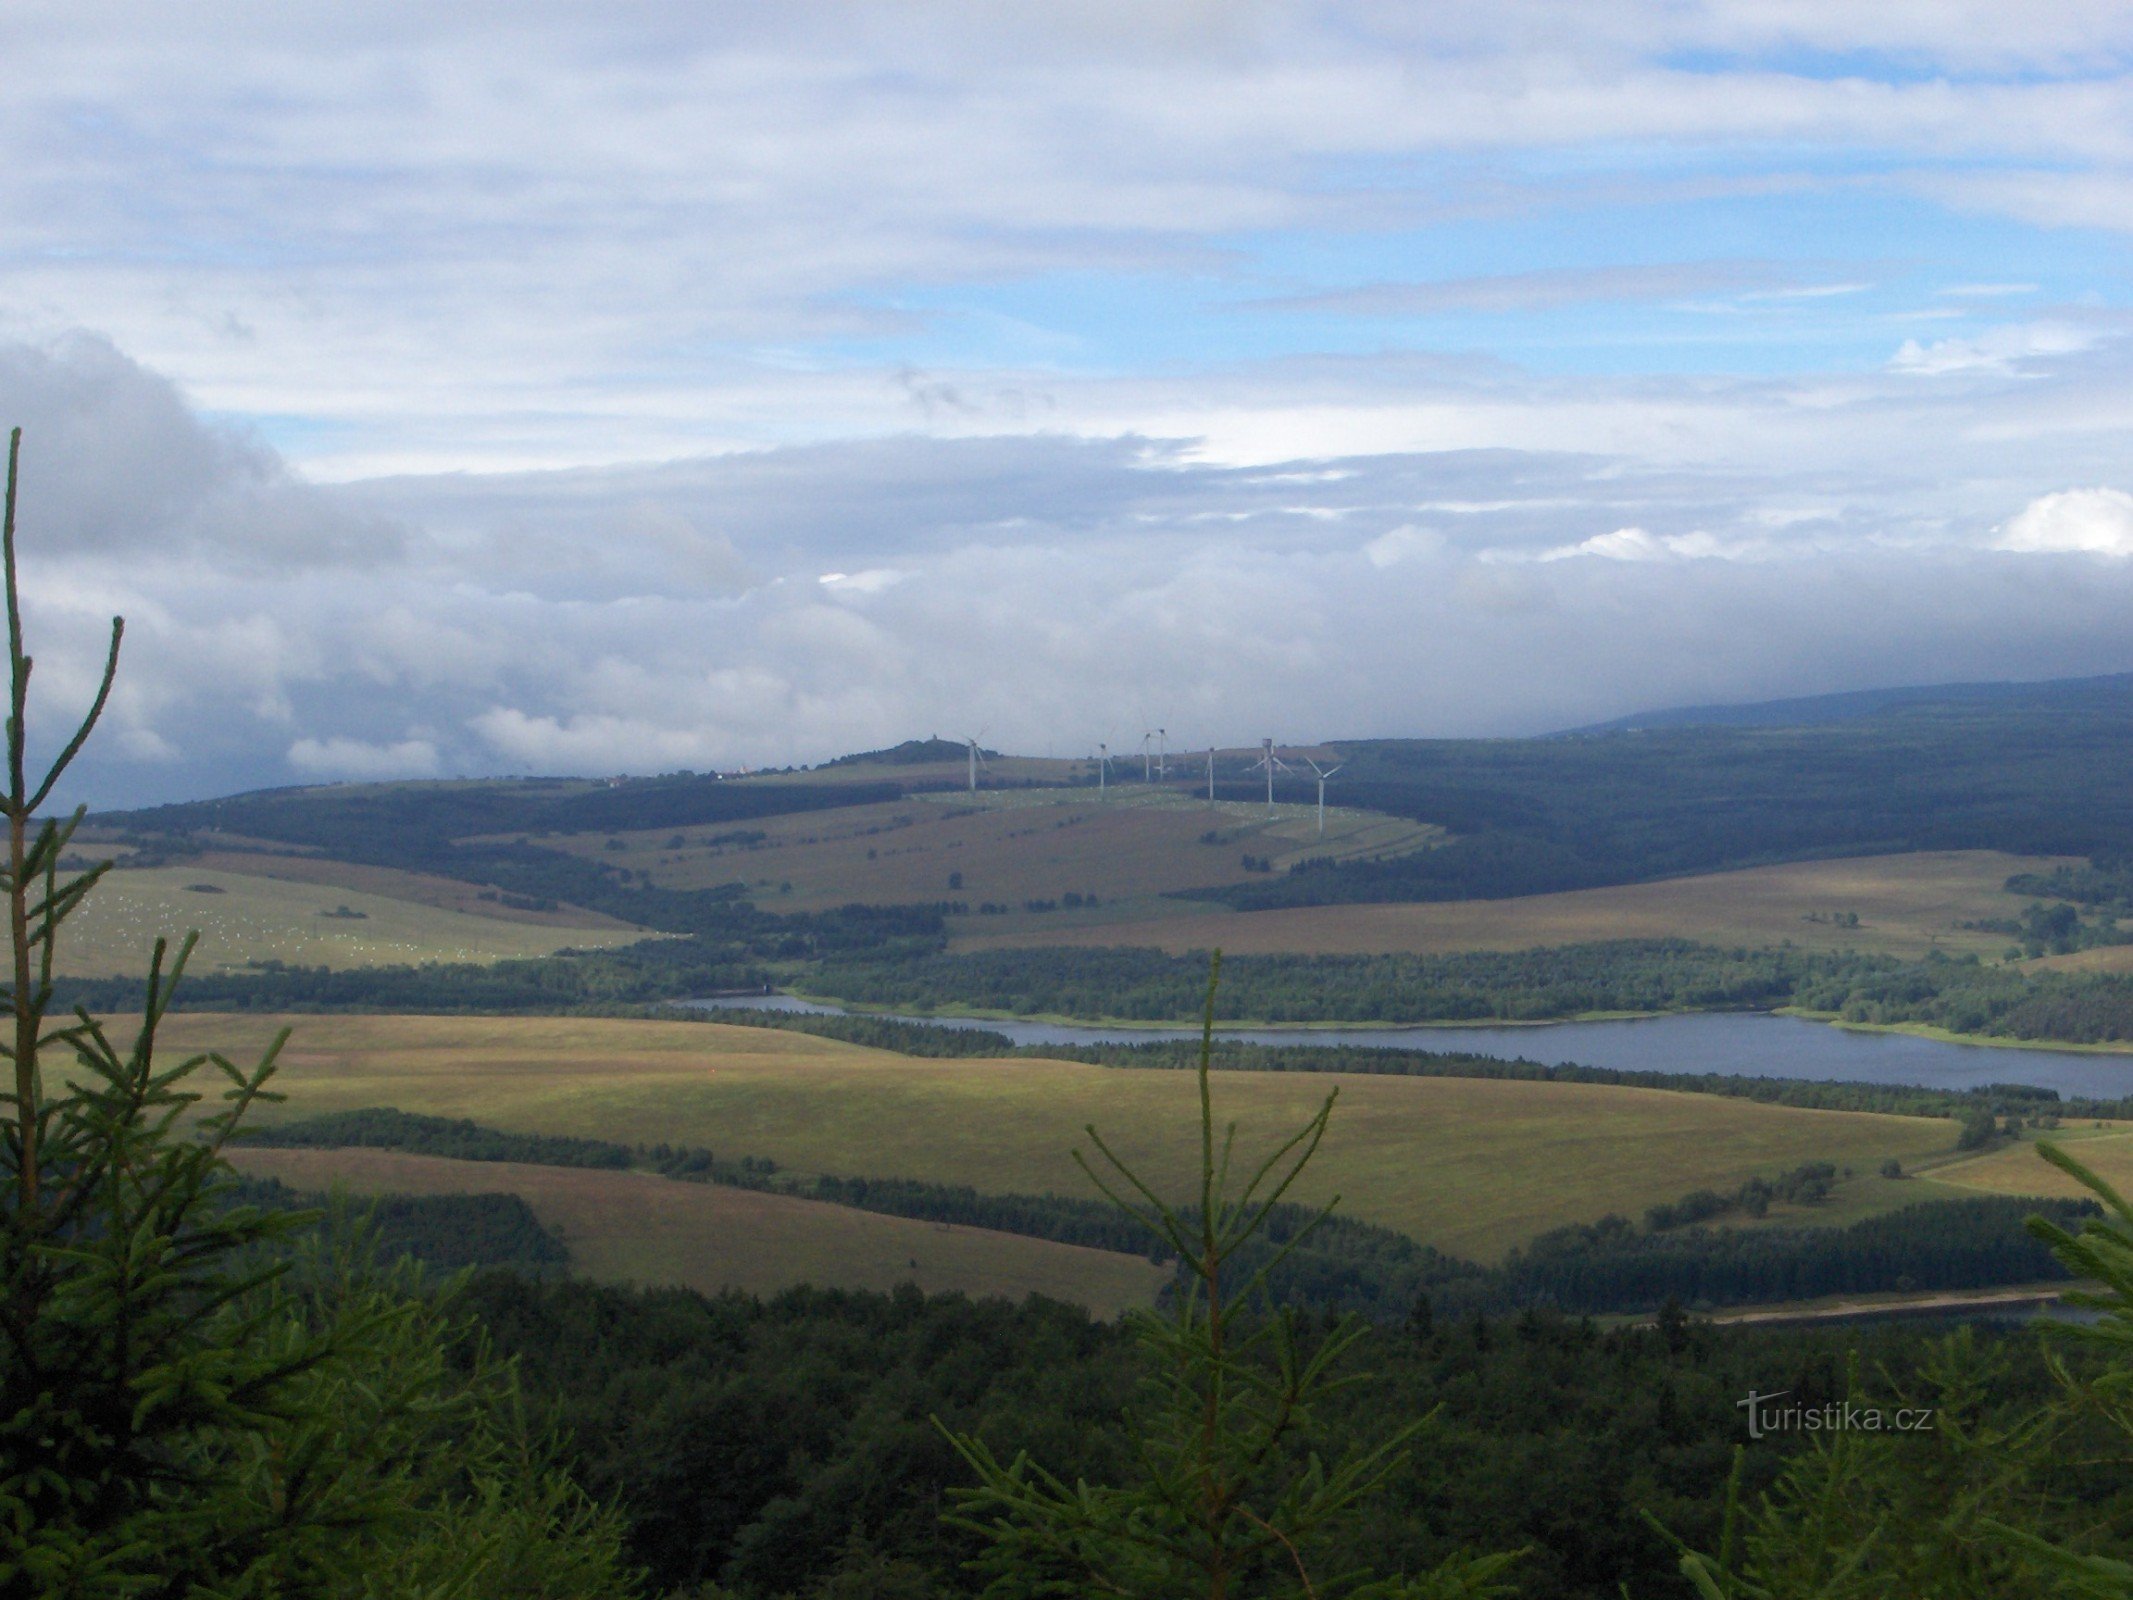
(550, 388)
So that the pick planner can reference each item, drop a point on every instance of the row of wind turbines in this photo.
(1155, 768)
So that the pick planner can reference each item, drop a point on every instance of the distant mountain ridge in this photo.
(912, 753)
(1822, 710)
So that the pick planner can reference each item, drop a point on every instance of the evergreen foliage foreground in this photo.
(192, 1403)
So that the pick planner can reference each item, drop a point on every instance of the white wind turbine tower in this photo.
(1210, 775)
(1273, 764)
(1103, 763)
(1323, 773)
(1147, 757)
(978, 762)
(1162, 754)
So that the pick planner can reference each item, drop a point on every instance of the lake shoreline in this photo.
(1915, 1030)
(1732, 1043)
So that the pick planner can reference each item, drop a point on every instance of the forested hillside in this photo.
(2033, 770)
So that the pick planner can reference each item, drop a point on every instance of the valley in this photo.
(1471, 1166)
(1670, 870)
(1902, 905)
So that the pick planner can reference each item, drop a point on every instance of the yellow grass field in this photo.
(2104, 958)
(1906, 905)
(1005, 846)
(260, 918)
(634, 1227)
(2017, 1168)
(419, 888)
(1472, 1166)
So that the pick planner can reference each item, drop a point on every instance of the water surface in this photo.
(1737, 1043)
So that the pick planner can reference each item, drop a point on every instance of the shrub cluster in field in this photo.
(1806, 1184)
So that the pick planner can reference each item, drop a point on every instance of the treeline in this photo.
(739, 955)
(485, 834)
(447, 1232)
(1343, 1264)
(1132, 984)
(2022, 1101)
(2105, 883)
(891, 957)
(1804, 1185)
(1968, 997)
(1910, 1100)
(458, 1139)
(1612, 1266)
(786, 1447)
(900, 1034)
(384, 822)
(1635, 975)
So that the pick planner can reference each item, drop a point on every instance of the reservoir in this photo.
(1737, 1043)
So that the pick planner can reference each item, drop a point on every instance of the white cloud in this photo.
(488, 236)
(872, 581)
(1638, 545)
(2000, 350)
(1404, 543)
(2095, 521)
(352, 758)
(1624, 544)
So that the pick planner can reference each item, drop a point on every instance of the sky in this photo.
(538, 387)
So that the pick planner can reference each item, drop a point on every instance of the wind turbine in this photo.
(1273, 764)
(1162, 754)
(978, 762)
(1323, 773)
(1147, 760)
(1103, 763)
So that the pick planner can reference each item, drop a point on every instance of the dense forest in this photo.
(788, 1446)
(444, 1232)
(1962, 995)
(2035, 770)
(1145, 985)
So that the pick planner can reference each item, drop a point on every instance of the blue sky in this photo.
(564, 387)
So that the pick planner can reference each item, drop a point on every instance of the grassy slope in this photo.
(635, 1227)
(258, 918)
(2016, 1168)
(1906, 904)
(1471, 1166)
(419, 888)
(1008, 846)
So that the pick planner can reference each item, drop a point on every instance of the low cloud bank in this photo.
(789, 605)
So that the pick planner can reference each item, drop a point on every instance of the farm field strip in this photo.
(2016, 1168)
(1907, 905)
(418, 888)
(1473, 1166)
(243, 918)
(1006, 847)
(636, 1227)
